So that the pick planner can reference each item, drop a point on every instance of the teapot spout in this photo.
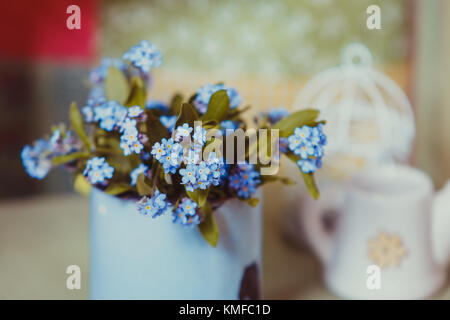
(441, 225)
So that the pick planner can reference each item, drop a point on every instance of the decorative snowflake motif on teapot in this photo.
(386, 250)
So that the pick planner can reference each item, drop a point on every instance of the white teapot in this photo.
(391, 239)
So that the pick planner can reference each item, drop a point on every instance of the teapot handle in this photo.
(441, 225)
(318, 236)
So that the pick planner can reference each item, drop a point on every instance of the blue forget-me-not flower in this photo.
(155, 206)
(244, 180)
(308, 143)
(186, 213)
(144, 56)
(97, 170)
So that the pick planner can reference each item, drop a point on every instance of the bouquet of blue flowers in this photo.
(179, 158)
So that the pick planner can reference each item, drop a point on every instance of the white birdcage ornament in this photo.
(369, 121)
(369, 118)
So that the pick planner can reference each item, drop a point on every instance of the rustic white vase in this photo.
(136, 257)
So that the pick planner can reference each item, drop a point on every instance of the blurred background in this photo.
(266, 49)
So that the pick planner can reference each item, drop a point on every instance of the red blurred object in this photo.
(37, 30)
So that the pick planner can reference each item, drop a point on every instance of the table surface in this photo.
(41, 236)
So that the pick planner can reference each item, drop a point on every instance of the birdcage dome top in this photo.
(369, 117)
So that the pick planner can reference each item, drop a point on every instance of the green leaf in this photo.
(156, 130)
(218, 106)
(297, 119)
(287, 181)
(175, 104)
(116, 85)
(143, 185)
(252, 201)
(168, 178)
(118, 188)
(188, 114)
(308, 178)
(156, 168)
(208, 227)
(311, 185)
(76, 120)
(58, 160)
(81, 185)
(192, 98)
(274, 178)
(210, 124)
(199, 196)
(138, 93)
(110, 151)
